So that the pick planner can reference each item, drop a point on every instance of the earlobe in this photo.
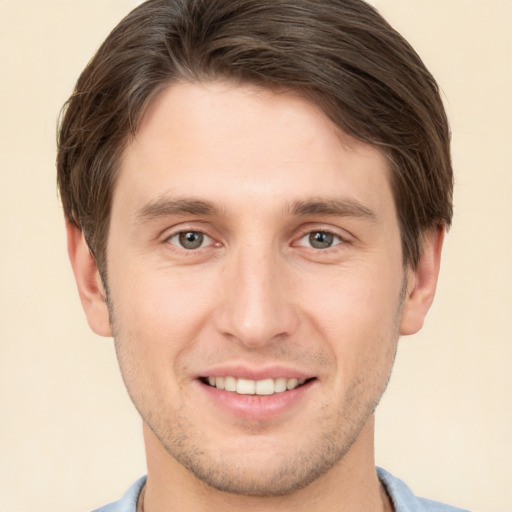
(90, 286)
(422, 282)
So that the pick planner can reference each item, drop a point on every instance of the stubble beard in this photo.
(293, 472)
(246, 474)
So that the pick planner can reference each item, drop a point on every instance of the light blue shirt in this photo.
(401, 496)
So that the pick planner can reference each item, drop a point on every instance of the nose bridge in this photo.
(256, 305)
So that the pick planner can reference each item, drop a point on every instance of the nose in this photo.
(256, 299)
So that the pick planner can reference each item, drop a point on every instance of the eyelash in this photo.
(183, 233)
(335, 238)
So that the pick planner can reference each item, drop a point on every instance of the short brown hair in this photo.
(340, 53)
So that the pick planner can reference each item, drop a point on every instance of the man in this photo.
(256, 194)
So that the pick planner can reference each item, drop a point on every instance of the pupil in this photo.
(191, 240)
(320, 240)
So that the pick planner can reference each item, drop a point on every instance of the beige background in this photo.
(69, 438)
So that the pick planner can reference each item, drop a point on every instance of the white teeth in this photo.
(245, 387)
(230, 384)
(280, 385)
(265, 387)
(292, 383)
(255, 387)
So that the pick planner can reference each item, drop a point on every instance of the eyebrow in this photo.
(334, 207)
(170, 207)
(167, 207)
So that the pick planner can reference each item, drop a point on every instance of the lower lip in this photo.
(257, 407)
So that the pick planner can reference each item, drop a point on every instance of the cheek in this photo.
(157, 296)
(357, 315)
(158, 316)
(358, 297)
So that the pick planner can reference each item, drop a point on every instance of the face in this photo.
(255, 284)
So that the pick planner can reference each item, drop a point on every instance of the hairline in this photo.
(190, 78)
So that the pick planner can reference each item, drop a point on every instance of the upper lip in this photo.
(252, 373)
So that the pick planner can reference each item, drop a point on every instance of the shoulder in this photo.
(404, 499)
(128, 503)
(401, 495)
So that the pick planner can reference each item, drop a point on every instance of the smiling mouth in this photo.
(254, 387)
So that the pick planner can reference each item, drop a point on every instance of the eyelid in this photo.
(341, 234)
(207, 239)
(184, 227)
(340, 239)
(189, 227)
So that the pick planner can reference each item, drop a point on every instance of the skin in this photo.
(268, 169)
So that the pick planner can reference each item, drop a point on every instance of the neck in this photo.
(351, 485)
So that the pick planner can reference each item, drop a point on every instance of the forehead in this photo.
(226, 141)
(211, 111)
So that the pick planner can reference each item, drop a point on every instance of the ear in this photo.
(90, 287)
(422, 282)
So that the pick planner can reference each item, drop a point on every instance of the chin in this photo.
(259, 468)
(259, 481)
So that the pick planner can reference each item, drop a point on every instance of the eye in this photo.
(190, 240)
(320, 240)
